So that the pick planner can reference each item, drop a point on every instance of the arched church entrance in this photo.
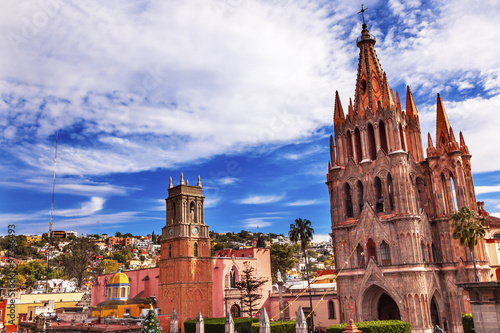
(378, 304)
(434, 313)
(387, 309)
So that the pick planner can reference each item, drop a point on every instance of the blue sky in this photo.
(238, 92)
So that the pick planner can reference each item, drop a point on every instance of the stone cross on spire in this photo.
(362, 11)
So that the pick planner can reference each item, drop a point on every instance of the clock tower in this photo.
(185, 265)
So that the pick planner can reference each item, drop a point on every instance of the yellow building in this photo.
(33, 301)
(118, 304)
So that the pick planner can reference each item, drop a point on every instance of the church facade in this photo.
(391, 206)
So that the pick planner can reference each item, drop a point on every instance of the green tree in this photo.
(302, 232)
(151, 324)
(250, 285)
(76, 260)
(282, 258)
(468, 229)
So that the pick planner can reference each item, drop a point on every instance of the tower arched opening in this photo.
(357, 145)
(372, 151)
(379, 198)
(348, 209)
(390, 190)
(402, 137)
(359, 193)
(383, 137)
(349, 145)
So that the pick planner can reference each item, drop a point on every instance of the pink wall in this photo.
(145, 280)
(222, 294)
(321, 319)
(221, 264)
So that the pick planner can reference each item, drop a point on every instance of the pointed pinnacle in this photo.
(199, 181)
(442, 123)
(350, 110)
(452, 135)
(398, 102)
(170, 185)
(338, 117)
(462, 141)
(429, 139)
(411, 109)
(182, 178)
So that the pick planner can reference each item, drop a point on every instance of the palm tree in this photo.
(302, 232)
(468, 229)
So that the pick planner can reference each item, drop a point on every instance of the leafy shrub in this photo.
(467, 322)
(379, 326)
(217, 325)
(283, 326)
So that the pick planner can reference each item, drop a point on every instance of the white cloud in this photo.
(257, 222)
(87, 208)
(261, 199)
(304, 202)
(317, 238)
(228, 180)
(212, 201)
(202, 91)
(486, 189)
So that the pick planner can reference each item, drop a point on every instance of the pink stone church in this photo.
(391, 207)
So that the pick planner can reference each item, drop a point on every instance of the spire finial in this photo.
(362, 11)
(182, 178)
(170, 185)
(199, 181)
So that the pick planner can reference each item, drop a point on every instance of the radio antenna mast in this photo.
(51, 214)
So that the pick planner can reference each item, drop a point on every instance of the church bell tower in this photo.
(185, 265)
(390, 207)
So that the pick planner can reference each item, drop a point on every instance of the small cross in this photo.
(362, 11)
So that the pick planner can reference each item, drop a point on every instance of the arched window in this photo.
(233, 277)
(349, 145)
(286, 310)
(434, 253)
(385, 253)
(170, 250)
(422, 248)
(390, 189)
(174, 212)
(372, 151)
(331, 310)
(357, 145)
(383, 138)
(402, 137)
(348, 211)
(360, 256)
(191, 211)
(371, 249)
(379, 199)
(453, 192)
(446, 200)
(421, 194)
(359, 192)
(235, 311)
(195, 250)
